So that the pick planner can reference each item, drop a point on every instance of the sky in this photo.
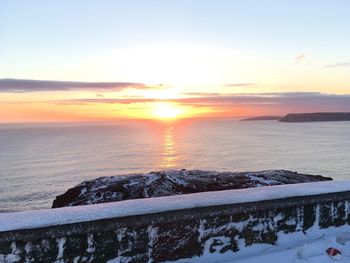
(107, 60)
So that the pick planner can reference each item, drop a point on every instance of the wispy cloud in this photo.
(245, 104)
(338, 65)
(26, 85)
(300, 58)
(201, 94)
(102, 101)
(291, 100)
(238, 84)
(273, 103)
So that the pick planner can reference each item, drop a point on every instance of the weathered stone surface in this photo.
(76, 247)
(105, 246)
(173, 182)
(289, 219)
(133, 241)
(44, 250)
(339, 214)
(326, 214)
(176, 241)
(309, 213)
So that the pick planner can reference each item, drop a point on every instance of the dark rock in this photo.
(173, 182)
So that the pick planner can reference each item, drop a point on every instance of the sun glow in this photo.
(164, 110)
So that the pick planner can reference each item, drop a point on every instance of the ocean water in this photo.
(38, 162)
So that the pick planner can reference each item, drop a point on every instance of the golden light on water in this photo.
(169, 154)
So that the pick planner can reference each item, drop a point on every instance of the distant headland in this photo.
(317, 116)
(305, 117)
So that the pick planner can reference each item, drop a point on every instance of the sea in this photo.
(40, 161)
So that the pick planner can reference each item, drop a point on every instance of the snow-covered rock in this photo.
(173, 182)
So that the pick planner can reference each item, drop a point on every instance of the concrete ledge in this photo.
(110, 224)
(76, 214)
(175, 227)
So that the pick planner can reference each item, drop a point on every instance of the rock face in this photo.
(318, 116)
(173, 182)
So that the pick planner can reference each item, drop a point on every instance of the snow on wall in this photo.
(68, 215)
(195, 237)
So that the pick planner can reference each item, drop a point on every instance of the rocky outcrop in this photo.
(318, 116)
(173, 182)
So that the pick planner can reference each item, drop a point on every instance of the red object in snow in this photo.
(333, 252)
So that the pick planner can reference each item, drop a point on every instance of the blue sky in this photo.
(42, 35)
(109, 23)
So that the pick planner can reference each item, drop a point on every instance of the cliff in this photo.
(173, 182)
(317, 116)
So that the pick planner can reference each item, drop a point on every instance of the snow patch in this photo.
(294, 247)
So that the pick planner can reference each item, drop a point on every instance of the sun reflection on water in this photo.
(169, 154)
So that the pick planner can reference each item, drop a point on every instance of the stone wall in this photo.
(178, 234)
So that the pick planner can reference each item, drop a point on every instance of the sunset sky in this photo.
(108, 60)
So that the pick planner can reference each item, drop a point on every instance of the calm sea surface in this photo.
(38, 162)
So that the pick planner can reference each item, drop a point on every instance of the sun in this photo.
(166, 111)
